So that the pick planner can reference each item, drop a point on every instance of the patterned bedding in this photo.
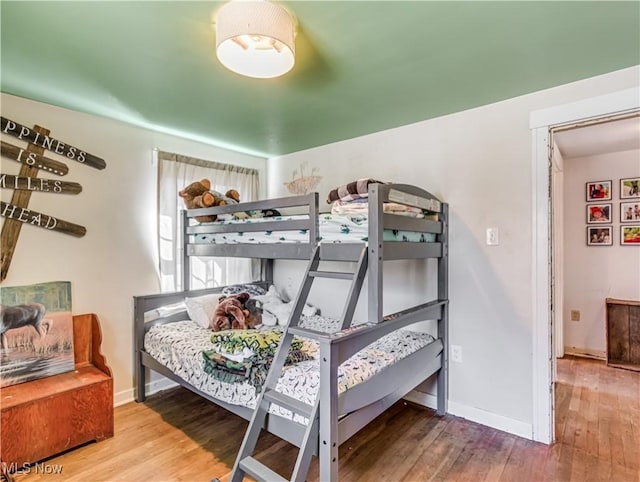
(179, 347)
(333, 229)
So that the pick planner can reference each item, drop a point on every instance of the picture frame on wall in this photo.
(630, 212)
(599, 213)
(630, 235)
(600, 236)
(630, 188)
(37, 338)
(598, 191)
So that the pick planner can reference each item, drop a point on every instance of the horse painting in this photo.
(23, 315)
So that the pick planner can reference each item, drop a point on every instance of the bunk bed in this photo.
(336, 413)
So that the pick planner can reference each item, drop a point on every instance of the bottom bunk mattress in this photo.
(179, 346)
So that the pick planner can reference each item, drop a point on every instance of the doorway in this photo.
(586, 157)
(542, 124)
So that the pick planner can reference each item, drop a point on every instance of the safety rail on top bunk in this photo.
(378, 222)
(308, 203)
(409, 195)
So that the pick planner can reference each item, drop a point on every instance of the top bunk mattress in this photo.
(333, 229)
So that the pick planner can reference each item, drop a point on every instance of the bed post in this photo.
(138, 335)
(375, 252)
(186, 263)
(314, 225)
(443, 322)
(328, 429)
(266, 271)
(314, 222)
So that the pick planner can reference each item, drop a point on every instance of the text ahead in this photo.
(34, 218)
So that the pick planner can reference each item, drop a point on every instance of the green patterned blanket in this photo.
(252, 369)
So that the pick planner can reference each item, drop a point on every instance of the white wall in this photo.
(593, 273)
(479, 161)
(117, 258)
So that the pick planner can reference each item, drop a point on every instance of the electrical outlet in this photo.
(456, 353)
(493, 236)
(575, 315)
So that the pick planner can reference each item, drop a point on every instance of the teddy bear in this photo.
(236, 312)
(198, 194)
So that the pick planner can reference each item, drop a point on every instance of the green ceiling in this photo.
(362, 66)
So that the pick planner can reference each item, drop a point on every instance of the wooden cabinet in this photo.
(623, 333)
(44, 417)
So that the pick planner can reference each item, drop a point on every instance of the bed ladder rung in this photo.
(259, 471)
(332, 274)
(290, 403)
(245, 463)
(307, 333)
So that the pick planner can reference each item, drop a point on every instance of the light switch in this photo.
(493, 238)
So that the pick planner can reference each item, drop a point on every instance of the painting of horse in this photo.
(36, 332)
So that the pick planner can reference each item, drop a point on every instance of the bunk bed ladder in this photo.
(245, 464)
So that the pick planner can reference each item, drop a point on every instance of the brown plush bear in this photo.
(198, 194)
(235, 312)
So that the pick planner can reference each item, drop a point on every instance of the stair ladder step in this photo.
(331, 274)
(259, 471)
(245, 463)
(290, 403)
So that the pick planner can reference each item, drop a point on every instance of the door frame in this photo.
(541, 122)
(557, 252)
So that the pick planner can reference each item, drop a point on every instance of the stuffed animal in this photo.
(276, 311)
(198, 194)
(236, 312)
(231, 197)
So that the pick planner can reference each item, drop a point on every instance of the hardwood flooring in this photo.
(177, 436)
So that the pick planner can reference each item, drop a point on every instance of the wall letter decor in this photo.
(17, 213)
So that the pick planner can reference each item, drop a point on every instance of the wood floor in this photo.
(177, 436)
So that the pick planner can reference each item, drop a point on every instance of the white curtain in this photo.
(174, 173)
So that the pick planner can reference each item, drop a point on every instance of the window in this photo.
(174, 173)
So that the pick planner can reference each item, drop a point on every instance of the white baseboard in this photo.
(126, 396)
(585, 352)
(499, 422)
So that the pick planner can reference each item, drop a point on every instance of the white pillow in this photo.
(201, 308)
(163, 311)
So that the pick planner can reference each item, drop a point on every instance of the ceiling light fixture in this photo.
(255, 38)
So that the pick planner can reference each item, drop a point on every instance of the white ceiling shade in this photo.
(255, 38)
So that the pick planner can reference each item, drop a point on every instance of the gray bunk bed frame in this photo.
(339, 416)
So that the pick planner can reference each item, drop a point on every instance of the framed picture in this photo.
(37, 337)
(630, 212)
(600, 236)
(599, 213)
(599, 191)
(630, 235)
(630, 188)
